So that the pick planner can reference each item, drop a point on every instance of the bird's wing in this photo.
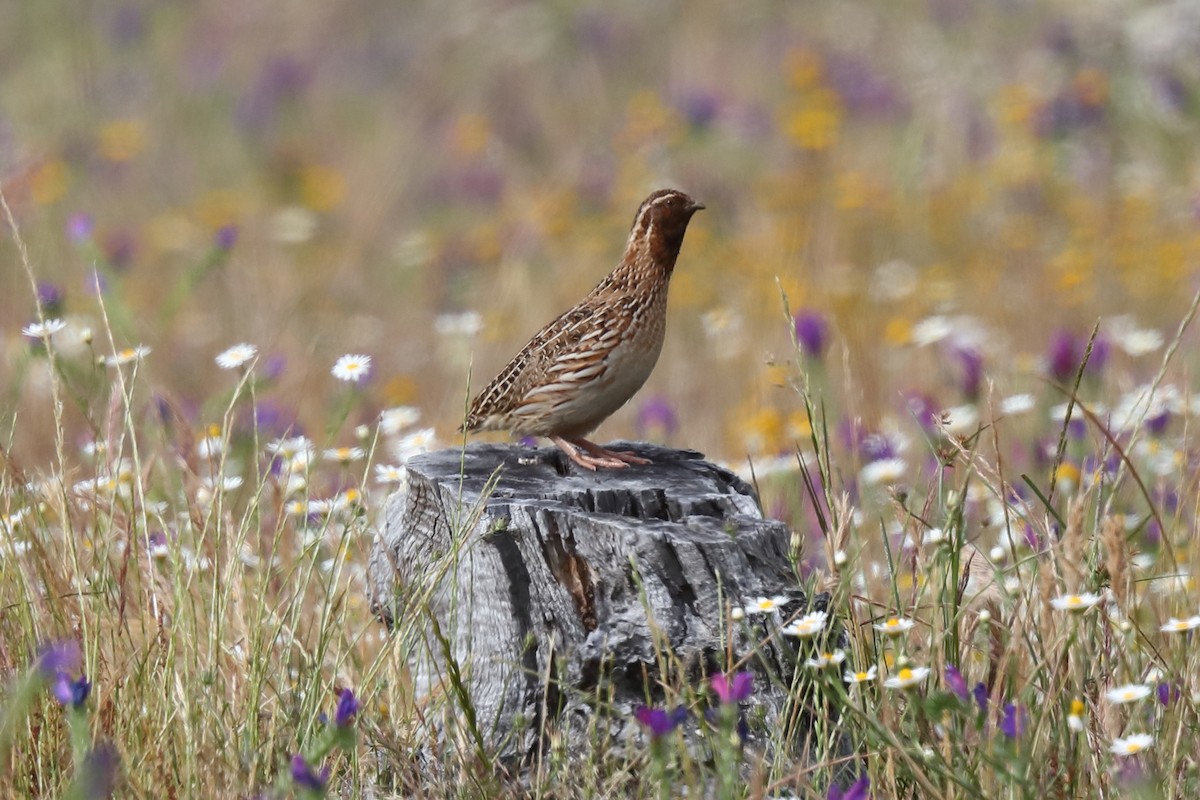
(569, 348)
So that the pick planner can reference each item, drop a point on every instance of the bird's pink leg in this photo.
(584, 459)
(604, 453)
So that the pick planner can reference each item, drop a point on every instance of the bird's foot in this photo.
(585, 460)
(622, 456)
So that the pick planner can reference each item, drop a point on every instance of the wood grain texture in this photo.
(566, 588)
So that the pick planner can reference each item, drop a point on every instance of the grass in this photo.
(985, 218)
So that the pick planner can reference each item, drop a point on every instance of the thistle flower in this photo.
(659, 721)
(733, 688)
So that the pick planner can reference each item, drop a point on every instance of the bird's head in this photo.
(661, 221)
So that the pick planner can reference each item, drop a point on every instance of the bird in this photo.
(590, 360)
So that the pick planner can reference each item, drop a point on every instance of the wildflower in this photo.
(861, 676)
(1181, 625)
(807, 626)
(288, 449)
(826, 660)
(895, 626)
(394, 420)
(236, 356)
(73, 693)
(1075, 718)
(347, 707)
(65, 656)
(971, 362)
(43, 330)
(345, 455)
(1017, 404)
(352, 368)
(883, 472)
(1127, 693)
(468, 323)
(840, 558)
(856, 791)
(306, 777)
(127, 355)
(1132, 744)
(1077, 603)
(980, 693)
(956, 683)
(1014, 721)
(737, 613)
(733, 688)
(656, 414)
(413, 444)
(98, 773)
(907, 678)
(811, 332)
(390, 473)
(659, 721)
(960, 421)
(765, 605)
(1140, 342)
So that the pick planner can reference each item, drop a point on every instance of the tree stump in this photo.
(556, 592)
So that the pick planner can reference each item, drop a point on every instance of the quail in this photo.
(583, 366)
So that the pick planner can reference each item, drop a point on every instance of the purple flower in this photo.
(656, 413)
(1158, 423)
(1063, 357)
(79, 228)
(956, 683)
(1168, 692)
(699, 108)
(50, 297)
(1014, 721)
(659, 721)
(225, 237)
(811, 332)
(859, 790)
(120, 248)
(347, 707)
(306, 777)
(980, 692)
(71, 693)
(65, 656)
(923, 409)
(98, 775)
(735, 688)
(972, 370)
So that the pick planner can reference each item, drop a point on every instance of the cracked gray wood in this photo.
(559, 591)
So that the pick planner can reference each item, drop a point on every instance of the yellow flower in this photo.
(815, 123)
(49, 181)
(122, 139)
(321, 188)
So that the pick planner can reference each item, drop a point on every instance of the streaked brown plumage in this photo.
(575, 372)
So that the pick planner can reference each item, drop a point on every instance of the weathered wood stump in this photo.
(559, 591)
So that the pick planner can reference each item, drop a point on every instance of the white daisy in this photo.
(43, 330)
(1017, 404)
(907, 678)
(345, 455)
(394, 420)
(352, 368)
(127, 355)
(765, 605)
(883, 472)
(1076, 602)
(236, 356)
(895, 626)
(826, 660)
(861, 677)
(1132, 744)
(1181, 625)
(1140, 342)
(807, 626)
(390, 473)
(1127, 693)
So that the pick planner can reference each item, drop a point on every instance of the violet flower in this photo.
(859, 790)
(306, 777)
(659, 721)
(956, 683)
(735, 688)
(347, 707)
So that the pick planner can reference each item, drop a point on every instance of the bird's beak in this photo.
(696, 206)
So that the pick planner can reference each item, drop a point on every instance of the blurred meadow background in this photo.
(922, 219)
